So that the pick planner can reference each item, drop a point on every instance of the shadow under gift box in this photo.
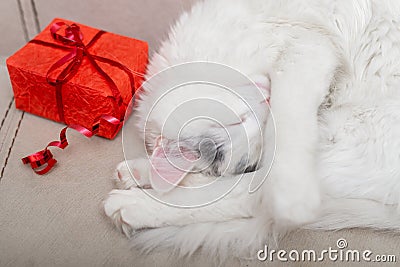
(87, 95)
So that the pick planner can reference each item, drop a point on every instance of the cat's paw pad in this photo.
(132, 173)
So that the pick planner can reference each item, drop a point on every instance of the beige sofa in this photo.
(57, 219)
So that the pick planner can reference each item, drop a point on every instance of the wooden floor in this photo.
(22, 25)
(10, 118)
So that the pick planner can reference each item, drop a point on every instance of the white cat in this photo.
(332, 69)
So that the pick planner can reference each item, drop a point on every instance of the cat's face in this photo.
(200, 129)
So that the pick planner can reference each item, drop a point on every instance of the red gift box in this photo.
(75, 74)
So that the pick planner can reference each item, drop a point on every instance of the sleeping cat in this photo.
(330, 72)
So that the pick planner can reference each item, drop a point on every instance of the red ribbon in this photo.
(43, 161)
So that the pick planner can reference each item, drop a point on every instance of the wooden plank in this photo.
(145, 20)
(30, 17)
(11, 29)
(25, 28)
(6, 94)
(10, 118)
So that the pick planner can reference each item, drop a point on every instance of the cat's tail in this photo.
(245, 237)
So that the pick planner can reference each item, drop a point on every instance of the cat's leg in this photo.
(136, 209)
(300, 80)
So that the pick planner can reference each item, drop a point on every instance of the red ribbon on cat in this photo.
(72, 41)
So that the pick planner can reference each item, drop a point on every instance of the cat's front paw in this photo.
(131, 210)
(297, 208)
(296, 201)
(113, 206)
(132, 173)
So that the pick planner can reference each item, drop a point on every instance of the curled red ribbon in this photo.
(43, 161)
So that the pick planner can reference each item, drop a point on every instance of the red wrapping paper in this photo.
(86, 96)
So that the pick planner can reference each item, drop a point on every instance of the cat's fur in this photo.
(333, 69)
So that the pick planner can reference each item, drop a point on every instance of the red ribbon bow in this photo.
(43, 161)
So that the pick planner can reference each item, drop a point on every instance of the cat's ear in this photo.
(169, 167)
